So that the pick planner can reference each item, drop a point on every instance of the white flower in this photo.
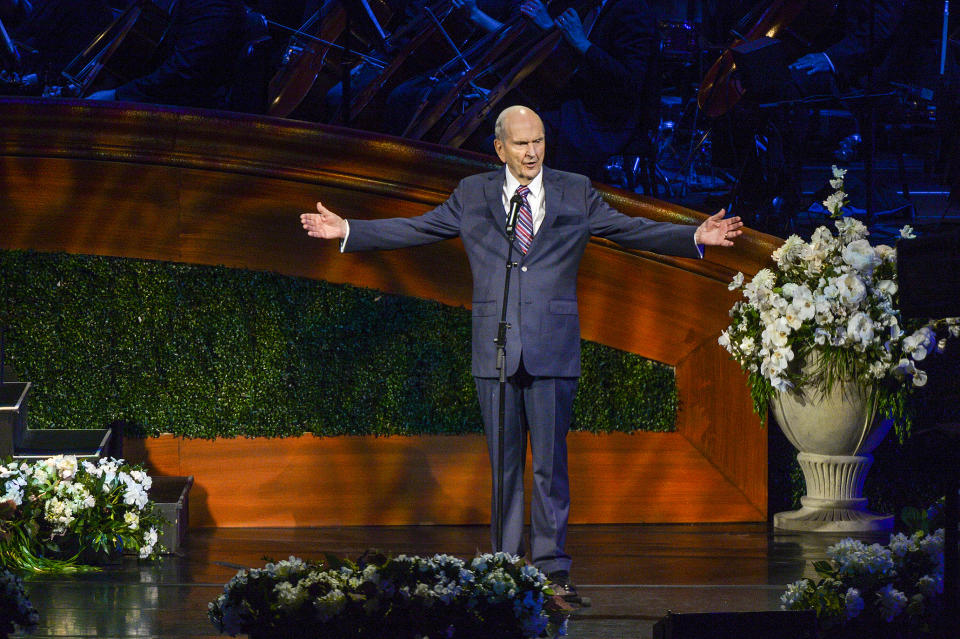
(885, 253)
(747, 345)
(907, 233)
(900, 545)
(793, 593)
(919, 377)
(789, 251)
(919, 343)
(851, 289)
(149, 541)
(887, 287)
(930, 585)
(780, 358)
(851, 229)
(838, 172)
(66, 466)
(289, 597)
(777, 333)
(724, 340)
(891, 602)
(792, 316)
(860, 327)
(132, 520)
(736, 283)
(764, 279)
(853, 602)
(861, 256)
(834, 202)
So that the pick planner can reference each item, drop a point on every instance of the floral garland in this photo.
(837, 296)
(15, 607)
(406, 597)
(874, 590)
(54, 510)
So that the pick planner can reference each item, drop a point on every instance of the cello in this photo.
(118, 53)
(796, 22)
(308, 51)
(409, 39)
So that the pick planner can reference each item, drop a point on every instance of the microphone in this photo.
(515, 203)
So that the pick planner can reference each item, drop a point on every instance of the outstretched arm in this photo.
(324, 224)
(717, 231)
(440, 223)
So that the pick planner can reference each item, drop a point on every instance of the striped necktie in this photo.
(524, 221)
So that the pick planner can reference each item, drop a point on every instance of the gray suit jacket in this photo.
(542, 313)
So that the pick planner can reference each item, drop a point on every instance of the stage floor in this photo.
(634, 574)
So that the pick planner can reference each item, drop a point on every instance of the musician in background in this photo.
(849, 54)
(611, 100)
(197, 60)
(404, 101)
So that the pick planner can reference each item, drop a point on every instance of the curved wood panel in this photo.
(215, 188)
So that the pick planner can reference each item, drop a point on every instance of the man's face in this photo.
(522, 146)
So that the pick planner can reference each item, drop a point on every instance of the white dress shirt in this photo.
(535, 198)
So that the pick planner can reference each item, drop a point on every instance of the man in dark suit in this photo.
(560, 213)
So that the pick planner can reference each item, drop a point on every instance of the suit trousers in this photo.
(541, 408)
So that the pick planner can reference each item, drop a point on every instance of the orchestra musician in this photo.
(427, 88)
(610, 99)
(196, 61)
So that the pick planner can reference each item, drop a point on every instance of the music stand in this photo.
(928, 279)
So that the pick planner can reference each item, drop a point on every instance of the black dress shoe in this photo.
(564, 588)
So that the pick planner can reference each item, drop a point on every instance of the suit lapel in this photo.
(552, 196)
(493, 194)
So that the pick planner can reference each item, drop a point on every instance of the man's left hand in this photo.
(813, 63)
(572, 29)
(717, 231)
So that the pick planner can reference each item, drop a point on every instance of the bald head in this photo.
(519, 142)
(515, 114)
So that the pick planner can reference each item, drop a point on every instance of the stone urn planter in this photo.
(835, 433)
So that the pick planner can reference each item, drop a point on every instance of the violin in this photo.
(796, 22)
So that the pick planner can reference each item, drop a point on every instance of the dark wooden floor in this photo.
(633, 574)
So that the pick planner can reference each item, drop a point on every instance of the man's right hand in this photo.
(324, 224)
(536, 12)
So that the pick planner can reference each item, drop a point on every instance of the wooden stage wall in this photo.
(226, 189)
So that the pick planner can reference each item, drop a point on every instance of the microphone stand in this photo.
(501, 342)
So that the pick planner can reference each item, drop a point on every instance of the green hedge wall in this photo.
(215, 352)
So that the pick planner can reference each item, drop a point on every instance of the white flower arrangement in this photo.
(493, 595)
(874, 590)
(58, 508)
(15, 607)
(835, 295)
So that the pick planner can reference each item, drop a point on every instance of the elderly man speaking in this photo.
(556, 213)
